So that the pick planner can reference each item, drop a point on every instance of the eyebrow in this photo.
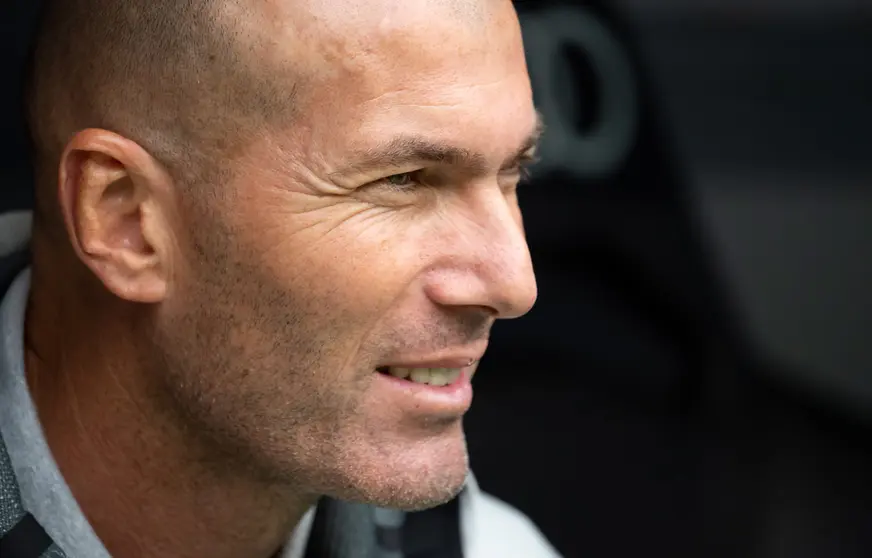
(410, 150)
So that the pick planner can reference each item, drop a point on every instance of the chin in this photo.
(410, 476)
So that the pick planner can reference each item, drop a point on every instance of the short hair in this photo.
(179, 77)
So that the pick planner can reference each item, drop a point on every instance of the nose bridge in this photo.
(502, 256)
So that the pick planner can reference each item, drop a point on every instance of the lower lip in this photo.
(452, 400)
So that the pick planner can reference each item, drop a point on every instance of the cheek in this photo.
(345, 271)
(356, 258)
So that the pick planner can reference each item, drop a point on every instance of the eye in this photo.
(402, 180)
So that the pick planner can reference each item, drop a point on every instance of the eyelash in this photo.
(525, 168)
(525, 171)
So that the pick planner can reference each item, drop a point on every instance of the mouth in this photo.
(437, 377)
(440, 389)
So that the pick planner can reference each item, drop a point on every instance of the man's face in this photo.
(380, 231)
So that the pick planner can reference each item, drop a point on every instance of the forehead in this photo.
(453, 71)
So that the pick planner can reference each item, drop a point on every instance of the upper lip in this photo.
(445, 359)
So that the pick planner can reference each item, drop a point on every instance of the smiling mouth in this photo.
(437, 377)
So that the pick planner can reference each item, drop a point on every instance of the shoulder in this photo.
(491, 527)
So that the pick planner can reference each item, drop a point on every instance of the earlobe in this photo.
(110, 196)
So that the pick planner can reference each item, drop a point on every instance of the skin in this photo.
(205, 367)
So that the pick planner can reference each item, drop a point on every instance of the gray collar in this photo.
(43, 490)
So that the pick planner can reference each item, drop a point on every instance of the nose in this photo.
(489, 262)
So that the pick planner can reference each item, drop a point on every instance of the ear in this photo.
(116, 202)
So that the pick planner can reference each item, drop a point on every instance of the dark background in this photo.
(695, 379)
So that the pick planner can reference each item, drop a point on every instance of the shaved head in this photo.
(191, 81)
(175, 76)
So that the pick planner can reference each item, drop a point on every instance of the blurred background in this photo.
(696, 378)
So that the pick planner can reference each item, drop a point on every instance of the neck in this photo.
(146, 483)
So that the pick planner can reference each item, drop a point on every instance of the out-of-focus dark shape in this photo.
(17, 22)
(773, 102)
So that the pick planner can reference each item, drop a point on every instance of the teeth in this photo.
(430, 376)
(399, 372)
(420, 375)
